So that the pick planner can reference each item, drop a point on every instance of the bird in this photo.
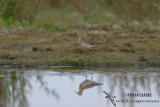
(84, 43)
(87, 84)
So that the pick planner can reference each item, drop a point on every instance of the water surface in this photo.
(78, 88)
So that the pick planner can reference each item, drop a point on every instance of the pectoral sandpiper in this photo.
(84, 43)
(87, 84)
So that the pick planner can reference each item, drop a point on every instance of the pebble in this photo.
(116, 27)
(159, 21)
(149, 23)
(92, 26)
(123, 35)
(4, 31)
(134, 23)
(154, 28)
(58, 34)
(97, 32)
(20, 28)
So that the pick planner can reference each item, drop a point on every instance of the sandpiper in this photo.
(87, 84)
(84, 43)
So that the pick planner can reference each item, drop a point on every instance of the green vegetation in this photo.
(13, 11)
(63, 15)
(107, 40)
(128, 30)
(136, 9)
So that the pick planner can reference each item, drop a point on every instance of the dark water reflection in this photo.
(48, 88)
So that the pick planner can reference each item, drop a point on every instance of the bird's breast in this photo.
(85, 45)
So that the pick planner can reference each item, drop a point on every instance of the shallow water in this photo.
(79, 88)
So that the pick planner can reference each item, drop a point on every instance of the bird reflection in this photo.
(86, 85)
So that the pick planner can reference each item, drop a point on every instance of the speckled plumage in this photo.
(87, 84)
(84, 43)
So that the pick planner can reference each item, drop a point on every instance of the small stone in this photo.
(124, 35)
(58, 34)
(20, 28)
(27, 48)
(158, 28)
(134, 23)
(97, 32)
(159, 21)
(40, 30)
(142, 40)
(92, 26)
(4, 31)
(116, 27)
(152, 28)
(155, 39)
(149, 23)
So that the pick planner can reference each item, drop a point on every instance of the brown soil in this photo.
(49, 48)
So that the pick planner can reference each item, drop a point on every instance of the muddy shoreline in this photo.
(12, 64)
(119, 48)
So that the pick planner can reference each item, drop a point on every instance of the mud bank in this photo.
(120, 48)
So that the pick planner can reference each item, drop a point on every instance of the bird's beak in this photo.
(77, 93)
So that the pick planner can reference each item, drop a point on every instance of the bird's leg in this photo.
(91, 76)
(86, 77)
